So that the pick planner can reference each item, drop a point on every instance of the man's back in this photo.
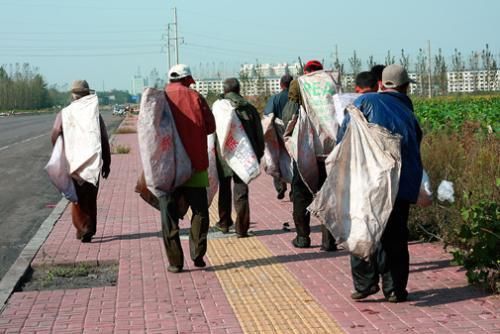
(193, 120)
(394, 111)
(276, 104)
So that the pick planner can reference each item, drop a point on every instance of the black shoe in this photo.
(281, 194)
(301, 242)
(87, 238)
(363, 294)
(328, 248)
(174, 269)
(394, 298)
(200, 263)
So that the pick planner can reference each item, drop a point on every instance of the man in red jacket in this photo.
(194, 121)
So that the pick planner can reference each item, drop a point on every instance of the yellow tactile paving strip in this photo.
(265, 296)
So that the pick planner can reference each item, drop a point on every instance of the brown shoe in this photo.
(363, 294)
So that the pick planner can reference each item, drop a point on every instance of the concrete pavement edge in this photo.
(23, 262)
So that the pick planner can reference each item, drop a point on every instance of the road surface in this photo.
(26, 194)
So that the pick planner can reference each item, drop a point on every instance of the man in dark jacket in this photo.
(250, 121)
(275, 107)
(392, 109)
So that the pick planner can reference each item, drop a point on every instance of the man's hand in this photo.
(105, 172)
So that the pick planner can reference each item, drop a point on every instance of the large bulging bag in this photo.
(234, 146)
(300, 146)
(213, 176)
(276, 160)
(341, 101)
(165, 162)
(58, 170)
(358, 195)
(317, 90)
(82, 139)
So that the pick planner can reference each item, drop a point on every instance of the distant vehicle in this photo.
(119, 110)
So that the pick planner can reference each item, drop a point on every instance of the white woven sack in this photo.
(82, 138)
(357, 197)
(213, 176)
(58, 170)
(234, 145)
(165, 162)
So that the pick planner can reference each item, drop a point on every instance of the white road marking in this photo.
(27, 140)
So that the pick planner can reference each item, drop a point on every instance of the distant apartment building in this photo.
(473, 81)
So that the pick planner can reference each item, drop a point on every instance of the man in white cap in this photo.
(392, 109)
(194, 121)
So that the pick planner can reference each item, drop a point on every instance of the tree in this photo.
(490, 66)
(474, 68)
(371, 62)
(355, 63)
(440, 73)
(458, 66)
(422, 71)
(389, 60)
(404, 59)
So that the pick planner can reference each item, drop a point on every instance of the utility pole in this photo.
(430, 68)
(176, 37)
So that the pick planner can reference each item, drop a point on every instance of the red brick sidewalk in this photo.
(149, 299)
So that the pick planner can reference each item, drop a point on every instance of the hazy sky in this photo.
(108, 41)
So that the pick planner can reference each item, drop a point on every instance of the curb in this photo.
(23, 262)
(19, 268)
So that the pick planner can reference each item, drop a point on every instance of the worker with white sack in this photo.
(87, 151)
(384, 217)
(173, 143)
(240, 146)
(313, 137)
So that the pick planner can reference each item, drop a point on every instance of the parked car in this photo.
(119, 110)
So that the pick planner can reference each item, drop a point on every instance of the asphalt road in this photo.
(26, 194)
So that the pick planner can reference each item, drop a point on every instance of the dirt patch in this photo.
(76, 276)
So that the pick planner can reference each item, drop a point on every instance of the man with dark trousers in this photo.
(275, 106)
(250, 120)
(392, 109)
(194, 121)
(302, 196)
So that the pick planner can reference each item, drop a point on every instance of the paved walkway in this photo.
(254, 285)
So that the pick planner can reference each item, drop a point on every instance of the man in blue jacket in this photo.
(392, 109)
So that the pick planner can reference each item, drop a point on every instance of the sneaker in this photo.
(301, 242)
(174, 269)
(363, 294)
(281, 194)
(394, 298)
(200, 263)
(219, 227)
(87, 238)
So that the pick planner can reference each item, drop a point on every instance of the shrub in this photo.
(125, 129)
(478, 239)
(120, 149)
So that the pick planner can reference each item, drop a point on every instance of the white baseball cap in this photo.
(179, 71)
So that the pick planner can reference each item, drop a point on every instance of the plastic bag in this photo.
(213, 176)
(445, 191)
(234, 146)
(165, 162)
(425, 194)
(82, 139)
(58, 170)
(357, 197)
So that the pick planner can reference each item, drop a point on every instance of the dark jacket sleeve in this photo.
(259, 134)
(56, 128)
(106, 150)
(208, 117)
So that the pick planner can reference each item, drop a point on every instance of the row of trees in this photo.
(483, 60)
(23, 88)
